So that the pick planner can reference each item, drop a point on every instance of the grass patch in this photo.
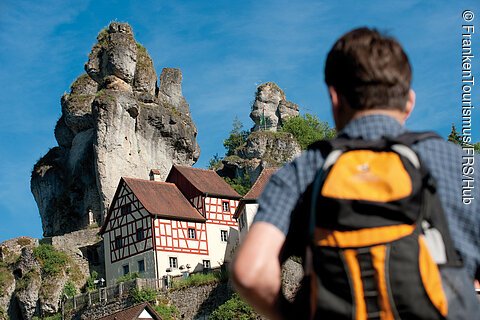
(6, 279)
(167, 312)
(24, 242)
(102, 36)
(26, 279)
(199, 279)
(51, 260)
(233, 309)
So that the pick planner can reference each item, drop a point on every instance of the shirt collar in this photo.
(372, 127)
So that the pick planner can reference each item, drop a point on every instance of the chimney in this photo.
(155, 175)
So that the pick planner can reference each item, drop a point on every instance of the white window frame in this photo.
(226, 206)
(224, 235)
(173, 262)
(192, 233)
(206, 264)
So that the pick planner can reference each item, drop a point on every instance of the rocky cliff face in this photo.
(116, 121)
(271, 107)
(264, 147)
(32, 280)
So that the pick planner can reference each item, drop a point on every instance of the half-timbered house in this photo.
(152, 229)
(216, 201)
(248, 206)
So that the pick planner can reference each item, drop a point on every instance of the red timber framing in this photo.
(130, 229)
(215, 213)
(173, 236)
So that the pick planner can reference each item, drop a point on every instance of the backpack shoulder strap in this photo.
(409, 138)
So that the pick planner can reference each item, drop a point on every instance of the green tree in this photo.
(240, 184)
(215, 162)
(236, 139)
(476, 146)
(307, 129)
(454, 136)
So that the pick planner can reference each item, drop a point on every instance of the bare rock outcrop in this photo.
(115, 121)
(271, 107)
(265, 146)
(33, 277)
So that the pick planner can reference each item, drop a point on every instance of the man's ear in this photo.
(409, 106)
(333, 96)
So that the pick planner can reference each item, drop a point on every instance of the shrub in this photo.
(69, 289)
(56, 316)
(307, 129)
(51, 260)
(167, 312)
(129, 276)
(236, 139)
(143, 295)
(235, 308)
(90, 285)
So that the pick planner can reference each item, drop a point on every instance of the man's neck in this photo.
(395, 114)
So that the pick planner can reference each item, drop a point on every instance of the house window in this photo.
(126, 209)
(191, 233)
(225, 206)
(173, 262)
(118, 242)
(224, 235)
(206, 264)
(141, 266)
(140, 234)
(126, 269)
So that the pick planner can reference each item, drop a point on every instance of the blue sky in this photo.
(225, 49)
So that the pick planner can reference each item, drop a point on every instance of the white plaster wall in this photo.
(251, 210)
(194, 260)
(217, 248)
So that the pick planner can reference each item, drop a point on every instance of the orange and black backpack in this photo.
(377, 234)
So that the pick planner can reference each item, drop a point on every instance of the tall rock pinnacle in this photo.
(116, 121)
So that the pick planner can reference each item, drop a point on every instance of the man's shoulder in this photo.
(433, 147)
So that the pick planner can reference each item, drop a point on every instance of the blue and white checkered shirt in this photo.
(443, 159)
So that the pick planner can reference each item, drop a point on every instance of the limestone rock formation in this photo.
(32, 282)
(271, 107)
(116, 121)
(264, 147)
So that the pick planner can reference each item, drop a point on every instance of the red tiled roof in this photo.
(132, 313)
(207, 181)
(257, 188)
(163, 199)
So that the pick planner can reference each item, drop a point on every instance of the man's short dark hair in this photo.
(370, 70)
